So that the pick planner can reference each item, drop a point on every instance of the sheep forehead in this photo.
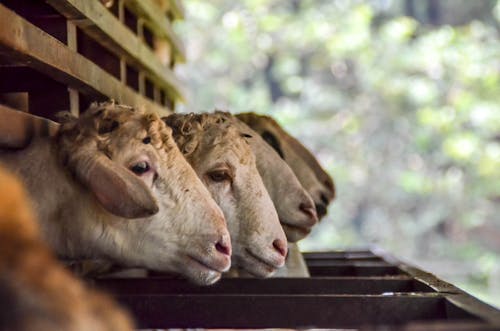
(229, 140)
(213, 132)
(132, 124)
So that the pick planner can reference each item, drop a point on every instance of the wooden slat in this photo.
(158, 23)
(177, 9)
(28, 44)
(93, 18)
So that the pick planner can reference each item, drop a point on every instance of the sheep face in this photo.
(294, 205)
(305, 166)
(182, 229)
(222, 158)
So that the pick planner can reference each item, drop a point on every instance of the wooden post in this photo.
(74, 96)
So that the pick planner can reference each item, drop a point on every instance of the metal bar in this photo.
(354, 263)
(352, 285)
(350, 271)
(285, 311)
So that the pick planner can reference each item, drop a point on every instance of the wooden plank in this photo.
(159, 24)
(26, 43)
(285, 311)
(177, 9)
(174, 8)
(93, 18)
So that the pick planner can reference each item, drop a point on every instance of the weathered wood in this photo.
(17, 128)
(177, 9)
(93, 18)
(158, 23)
(33, 47)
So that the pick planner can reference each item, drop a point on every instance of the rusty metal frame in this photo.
(348, 289)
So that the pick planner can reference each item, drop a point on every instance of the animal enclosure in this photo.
(64, 54)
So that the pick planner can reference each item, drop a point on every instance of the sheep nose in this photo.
(281, 247)
(320, 209)
(224, 246)
(324, 199)
(309, 210)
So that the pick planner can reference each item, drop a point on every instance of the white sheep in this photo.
(113, 185)
(221, 156)
(306, 167)
(293, 204)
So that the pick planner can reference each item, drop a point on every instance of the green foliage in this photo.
(405, 115)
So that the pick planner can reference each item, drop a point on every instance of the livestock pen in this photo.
(64, 54)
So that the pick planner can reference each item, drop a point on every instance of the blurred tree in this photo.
(398, 99)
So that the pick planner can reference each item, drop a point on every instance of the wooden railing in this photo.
(63, 54)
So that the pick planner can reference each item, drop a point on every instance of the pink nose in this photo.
(281, 247)
(223, 246)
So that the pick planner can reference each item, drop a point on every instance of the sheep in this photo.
(292, 202)
(221, 156)
(308, 170)
(36, 292)
(113, 185)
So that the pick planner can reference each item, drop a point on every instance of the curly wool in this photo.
(190, 129)
(91, 130)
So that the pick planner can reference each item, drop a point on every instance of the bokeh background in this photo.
(400, 101)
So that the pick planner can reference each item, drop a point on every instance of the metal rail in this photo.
(351, 289)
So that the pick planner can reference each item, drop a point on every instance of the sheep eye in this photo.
(146, 140)
(140, 168)
(219, 176)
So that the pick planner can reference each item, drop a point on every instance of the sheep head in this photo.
(312, 176)
(222, 158)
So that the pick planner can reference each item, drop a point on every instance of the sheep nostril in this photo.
(309, 211)
(221, 247)
(320, 210)
(324, 199)
(281, 247)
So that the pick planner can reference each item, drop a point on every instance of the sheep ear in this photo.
(118, 190)
(17, 128)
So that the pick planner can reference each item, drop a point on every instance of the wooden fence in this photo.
(63, 54)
